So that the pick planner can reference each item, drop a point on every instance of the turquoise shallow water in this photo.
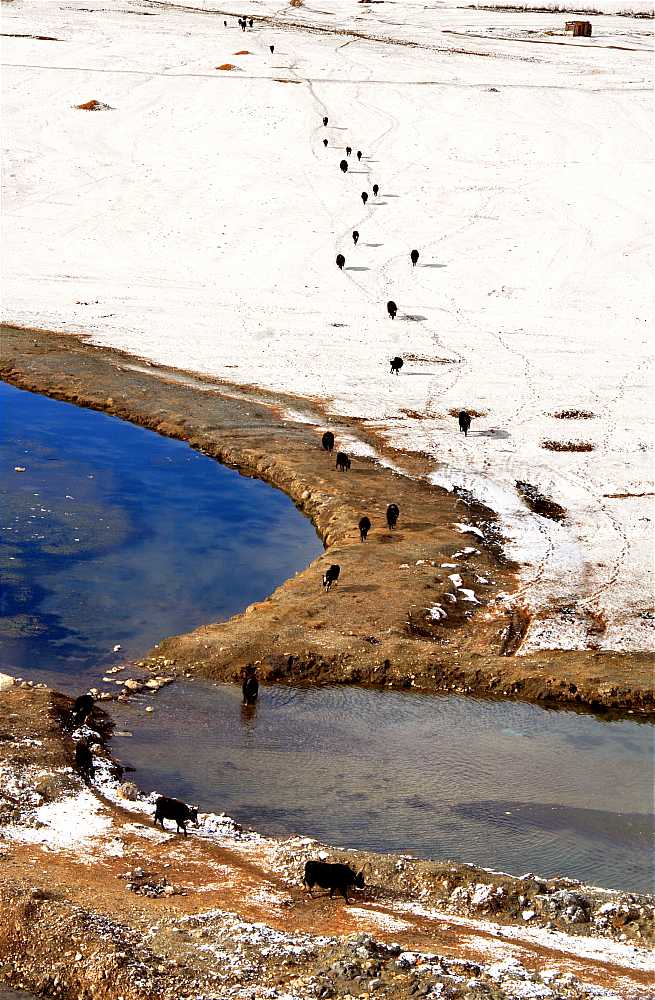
(113, 535)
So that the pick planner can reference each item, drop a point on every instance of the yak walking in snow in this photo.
(396, 365)
(341, 260)
(414, 257)
(464, 422)
(355, 236)
(392, 308)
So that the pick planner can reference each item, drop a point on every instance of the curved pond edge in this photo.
(375, 627)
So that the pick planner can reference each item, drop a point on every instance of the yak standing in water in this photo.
(341, 260)
(396, 364)
(250, 686)
(328, 441)
(392, 308)
(364, 528)
(355, 236)
(393, 513)
(464, 422)
(343, 166)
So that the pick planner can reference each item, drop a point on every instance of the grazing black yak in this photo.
(328, 441)
(343, 166)
(392, 308)
(341, 260)
(364, 528)
(343, 462)
(396, 364)
(166, 808)
(333, 877)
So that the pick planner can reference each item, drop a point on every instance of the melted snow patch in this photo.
(71, 822)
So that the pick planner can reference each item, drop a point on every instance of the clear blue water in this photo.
(115, 535)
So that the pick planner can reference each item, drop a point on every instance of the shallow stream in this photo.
(113, 535)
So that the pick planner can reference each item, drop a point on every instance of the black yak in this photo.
(376, 188)
(272, 48)
(414, 257)
(82, 708)
(331, 576)
(359, 154)
(166, 808)
(396, 364)
(341, 260)
(392, 308)
(355, 236)
(364, 197)
(333, 877)
(343, 166)
(464, 422)
(251, 22)
(84, 761)
(349, 150)
(343, 462)
(393, 513)
(250, 686)
(325, 121)
(364, 528)
(328, 441)
(325, 142)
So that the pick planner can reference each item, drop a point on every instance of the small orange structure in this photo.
(577, 28)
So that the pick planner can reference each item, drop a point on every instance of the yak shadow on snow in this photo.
(413, 318)
(433, 265)
(358, 269)
(374, 244)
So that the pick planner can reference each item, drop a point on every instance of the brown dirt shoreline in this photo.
(75, 923)
(374, 627)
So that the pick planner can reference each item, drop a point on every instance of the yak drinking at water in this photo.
(335, 877)
(250, 686)
(180, 812)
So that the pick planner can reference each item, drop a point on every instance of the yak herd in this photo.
(332, 877)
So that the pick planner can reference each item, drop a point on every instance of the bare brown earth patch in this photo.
(370, 629)
(227, 66)
(539, 503)
(455, 412)
(567, 445)
(238, 915)
(93, 106)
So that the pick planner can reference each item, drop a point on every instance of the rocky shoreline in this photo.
(381, 625)
(95, 903)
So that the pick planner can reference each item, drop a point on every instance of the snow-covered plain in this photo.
(197, 222)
